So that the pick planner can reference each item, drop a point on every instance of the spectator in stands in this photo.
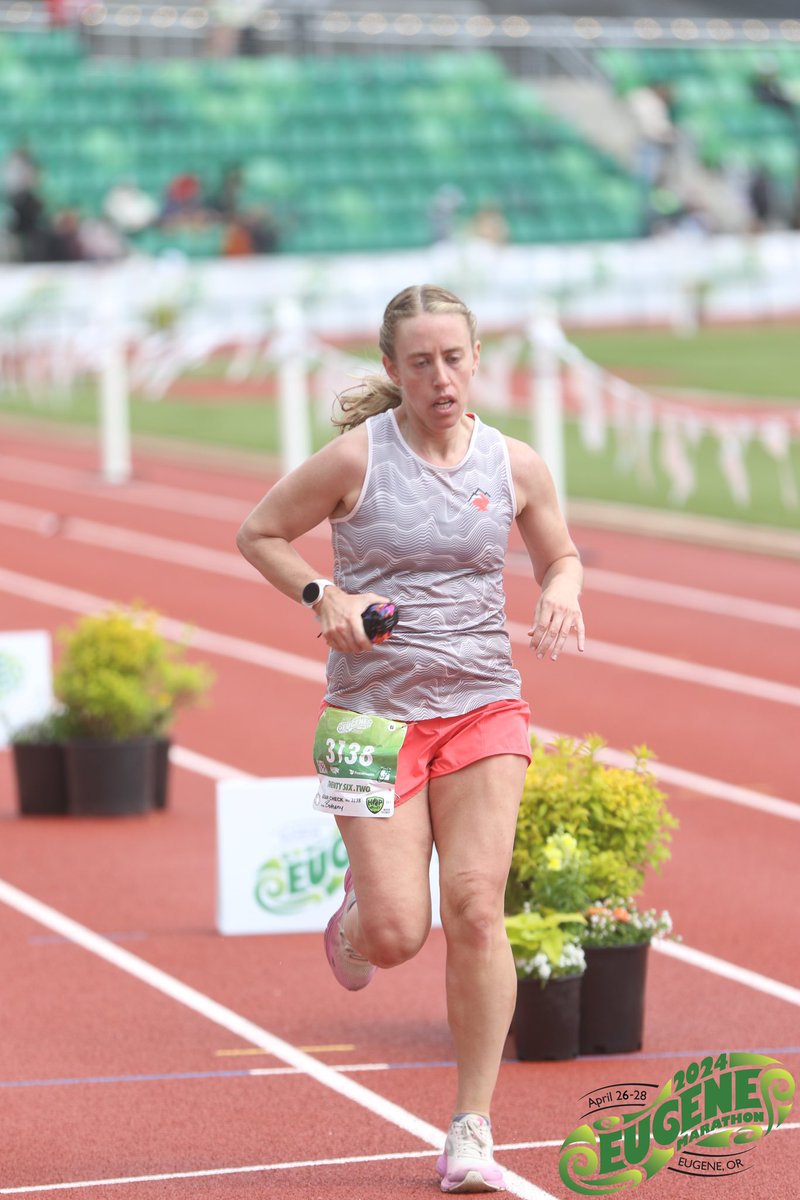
(761, 194)
(64, 237)
(233, 27)
(252, 232)
(443, 212)
(656, 133)
(27, 224)
(184, 203)
(128, 208)
(767, 88)
(20, 172)
(65, 12)
(227, 200)
(490, 225)
(101, 241)
(794, 218)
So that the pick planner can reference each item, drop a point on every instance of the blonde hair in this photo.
(376, 393)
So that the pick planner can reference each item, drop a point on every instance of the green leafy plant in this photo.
(53, 727)
(546, 946)
(558, 883)
(118, 677)
(615, 922)
(617, 815)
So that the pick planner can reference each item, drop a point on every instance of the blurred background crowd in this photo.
(237, 129)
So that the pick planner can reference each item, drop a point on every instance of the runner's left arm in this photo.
(553, 554)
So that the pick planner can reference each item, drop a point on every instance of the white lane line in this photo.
(676, 595)
(596, 651)
(545, 1144)
(240, 1026)
(162, 496)
(676, 668)
(696, 958)
(297, 666)
(201, 764)
(729, 970)
(223, 644)
(706, 786)
(231, 565)
(703, 785)
(165, 496)
(303, 1164)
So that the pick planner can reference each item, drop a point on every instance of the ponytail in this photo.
(375, 394)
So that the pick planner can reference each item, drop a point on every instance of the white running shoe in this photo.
(467, 1163)
(350, 968)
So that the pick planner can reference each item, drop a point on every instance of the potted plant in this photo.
(38, 756)
(618, 816)
(605, 825)
(545, 939)
(616, 941)
(120, 682)
(549, 962)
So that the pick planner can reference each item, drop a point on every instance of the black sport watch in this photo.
(312, 592)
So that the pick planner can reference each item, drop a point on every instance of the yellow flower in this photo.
(553, 857)
(559, 849)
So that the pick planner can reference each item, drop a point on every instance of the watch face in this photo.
(311, 593)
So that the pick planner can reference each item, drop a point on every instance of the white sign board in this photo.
(26, 680)
(280, 865)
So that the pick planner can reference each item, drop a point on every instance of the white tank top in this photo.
(433, 539)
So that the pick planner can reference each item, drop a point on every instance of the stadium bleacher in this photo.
(714, 100)
(349, 151)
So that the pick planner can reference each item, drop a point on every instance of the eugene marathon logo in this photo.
(704, 1121)
(301, 875)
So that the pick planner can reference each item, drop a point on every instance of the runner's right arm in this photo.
(327, 485)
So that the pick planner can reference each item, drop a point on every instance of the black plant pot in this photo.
(547, 1018)
(106, 777)
(612, 999)
(160, 796)
(41, 779)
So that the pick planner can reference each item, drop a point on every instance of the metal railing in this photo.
(184, 29)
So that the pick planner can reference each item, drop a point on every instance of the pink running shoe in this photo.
(467, 1164)
(350, 968)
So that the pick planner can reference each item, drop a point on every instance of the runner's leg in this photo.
(390, 864)
(474, 814)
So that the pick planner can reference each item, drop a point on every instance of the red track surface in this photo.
(94, 1063)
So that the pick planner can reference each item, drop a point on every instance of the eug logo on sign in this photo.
(704, 1121)
(302, 875)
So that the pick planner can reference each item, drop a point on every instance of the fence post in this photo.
(547, 408)
(293, 417)
(115, 441)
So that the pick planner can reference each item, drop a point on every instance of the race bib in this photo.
(356, 759)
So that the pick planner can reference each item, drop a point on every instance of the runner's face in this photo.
(433, 365)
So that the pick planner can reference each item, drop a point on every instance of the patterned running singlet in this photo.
(433, 540)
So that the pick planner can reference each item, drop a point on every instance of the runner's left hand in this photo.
(557, 614)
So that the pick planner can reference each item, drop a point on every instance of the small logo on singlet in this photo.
(480, 500)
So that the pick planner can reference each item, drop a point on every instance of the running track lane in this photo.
(348, 999)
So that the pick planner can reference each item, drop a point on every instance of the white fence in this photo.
(142, 323)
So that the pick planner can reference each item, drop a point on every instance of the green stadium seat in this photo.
(356, 145)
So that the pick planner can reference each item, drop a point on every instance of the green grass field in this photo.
(749, 361)
(758, 363)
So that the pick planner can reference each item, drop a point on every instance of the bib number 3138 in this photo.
(355, 755)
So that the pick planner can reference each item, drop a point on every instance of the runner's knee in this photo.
(388, 942)
(472, 910)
